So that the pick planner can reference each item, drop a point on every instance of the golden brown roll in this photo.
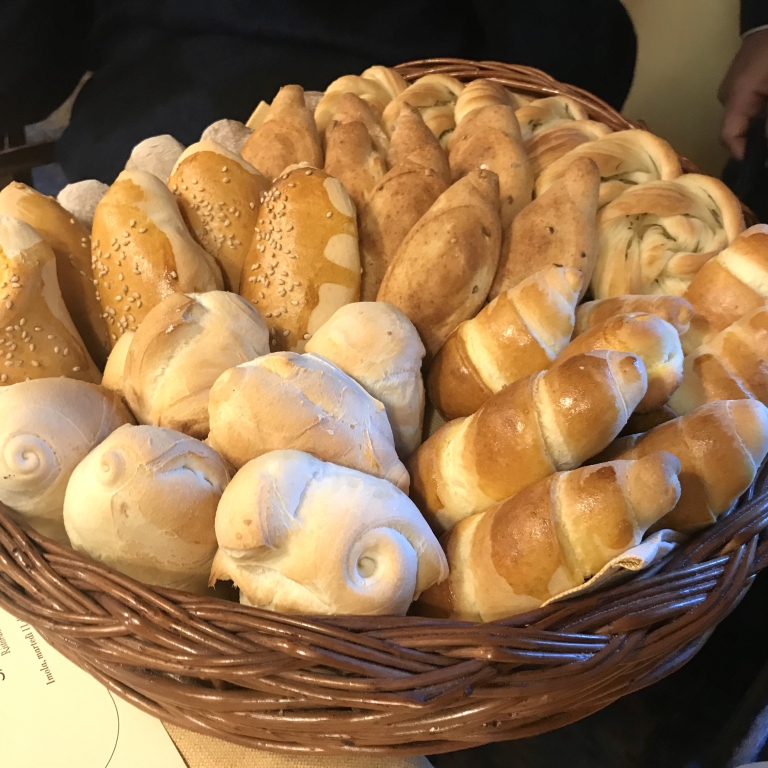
(674, 309)
(412, 141)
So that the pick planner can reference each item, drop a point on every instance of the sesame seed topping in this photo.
(268, 314)
(35, 364)
(4, 378)
(76, 369)
(224, 169)
(9, 305)
(142, 230)
(286, 332)
(174, 275)
(225, 181)
(295, 303)
(307, 336)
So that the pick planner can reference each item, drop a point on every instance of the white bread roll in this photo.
(298, 535)
(47, 427)
(156, 155)
(114, 371)
(303, 402)
(379, 347)
(231, 134)
(184, 344)
(144, 503)
(81, 199)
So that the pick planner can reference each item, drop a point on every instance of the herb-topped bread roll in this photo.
(142, 252)
(303, 263)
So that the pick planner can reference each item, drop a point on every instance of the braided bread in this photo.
(544, 114)
(479, 94)
(547, 146)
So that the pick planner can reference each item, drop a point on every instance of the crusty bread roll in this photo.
(114, 370)
(412, 141)
(519, 333)
(230, 134)
(287, 136)
(720, 446)
(47, 427)
(379, 347)
(219, 195)
(652, 339)
(71, 243)
(559, 227)
(156, 155)
(546, 146)
(551, 537)
(142, 252)
(284, 400)
(546, 422)
(443, 269)
(144, 503)
(81, 198)
(184, 344)
(39, 337)
(299, 535)
(674, 309)
(303, 263)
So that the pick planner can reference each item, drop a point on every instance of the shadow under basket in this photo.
(409, 686)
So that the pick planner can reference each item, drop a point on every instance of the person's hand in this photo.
(744, 91)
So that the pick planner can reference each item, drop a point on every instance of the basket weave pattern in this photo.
(379, 684)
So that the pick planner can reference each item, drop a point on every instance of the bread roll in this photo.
(378, 346)
(184, 344)
(546, 146)
(482, 93)
(559, 228)
(142, 252)
(544, 423)
(541, 115)
(71, 243)
(551, 537)
(219, 195)
(156, 155)
(144, 503)
(412, 142)
(39, 337)
(302, 402)
(673, 309)
(114, 371)
(443, 269)
(720, 446)
(47, 427)
(81, 198)
(326, 539)
(303, 263)
(287, 136)
(230, 134)
(519, 333)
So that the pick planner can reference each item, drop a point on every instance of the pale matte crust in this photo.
(480, 93)
(287, 136)
(546, 147)
(675, 310)
(304, 262)
(142, 252)
(412, 141)
(114, 370)
(559, 227)
(156, 155)
(219, 195)
(71, 243)
(443, 269)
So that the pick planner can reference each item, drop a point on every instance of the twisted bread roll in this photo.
(655, 237)
(156, 155)
(546, 422)
(673, 309)
(541, 115)
(298, 535)
(81, 198)
(544, 147)
(519, 333)
(551, 537)
(482, 93)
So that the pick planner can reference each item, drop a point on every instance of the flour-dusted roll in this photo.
(144, 503)
(299, 535)
(551, 537)
(184, 344)
(81, 198)
(230, 134)
(47, 427)
(219, 195)
(676, 310)
(302, 402)
(156, 155)
(142, 251)
(304, 261)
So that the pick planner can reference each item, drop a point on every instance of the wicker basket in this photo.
(378, 684)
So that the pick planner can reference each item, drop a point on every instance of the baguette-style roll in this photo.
(144, 503)
(287, 136)
(302, 402)
(71, 243)
(299, 535)
(542, 115)
(673, 309)
(652, 339)
(379, 347)
(413, 142)
(550, 537)
(732, 365)
(184, 344)
(558, 228)
(39, 337)
(545, 147)
(720, 446)
(303, 263)
(544, 423)
(114, 370)
(47, 427)
(80, 199)
(519, 333)
(219, 195)
(443, 270)
(142, 251)
(156, 155)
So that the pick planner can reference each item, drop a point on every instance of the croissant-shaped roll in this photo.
(544, 147)
(551, 537)
(156, 155)
(674, 309)
(144, 503)
(298, 535)
(39, 337)
(47, 427)
(655, 237)
(519, 333)
(482, 93)
(287, 136)
(546, 422)
(443, 270)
